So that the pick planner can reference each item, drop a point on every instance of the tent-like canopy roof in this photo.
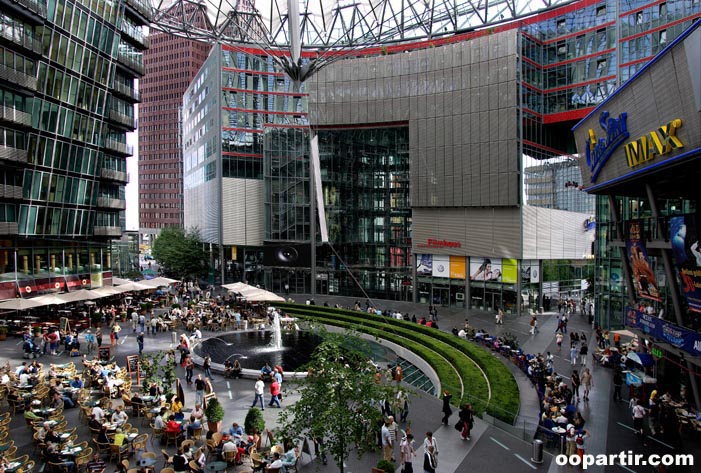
(252, 293)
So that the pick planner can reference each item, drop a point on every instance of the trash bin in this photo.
(174, 337)
(537, 451)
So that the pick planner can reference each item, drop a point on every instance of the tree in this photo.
(180, 253)
(338, 399)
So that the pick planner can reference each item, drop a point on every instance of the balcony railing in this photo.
(15, 116)
(13, 154)
(10, 192)
(17, 77)
(132, 63)
(23, 40)
(134, 33)
(9, 228)
(127, 91)
(141, 7)
(114, 175)
(100, 230)
(118, 146)
(122, 118)
(36, 7)
(111, 203)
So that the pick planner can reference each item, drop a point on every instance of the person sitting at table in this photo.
(230, 446)
(102, 436)
(198, 412)
(275, 463)
(175, 405)
(193, 425)
(187, 452)
(54, 456)
(136, 405)
(51, 436)
(119, 437)
(96, 464)
(235, 432)
(154, 390)
(31, 417)
(98, 413)
(158, 422)
(24, 378)
(290, 457)
(180, 462)
(76, 383)
(94, 424)
(42, 431)
(58, 401)
(173, 425)
(119, 417)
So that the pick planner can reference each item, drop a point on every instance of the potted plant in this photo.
(385, 465)
(3, 332)
(254, 423)
(215, 414)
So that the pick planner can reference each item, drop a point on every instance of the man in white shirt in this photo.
(119, 417)
(277, 463)
(258, 388)
(98, 413)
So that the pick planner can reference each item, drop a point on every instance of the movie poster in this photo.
(686, 248)
(643, 275)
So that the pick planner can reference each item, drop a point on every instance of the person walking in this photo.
(558, 340)
(274, 394)
(189, 368)
(573, 355)
(570, 440)
(140, 342)
(580, 440)
(431, 445)
(467, 418)
(199, 389)
(575, 384)
(429, 460)
(207, 366)
(407, 453)
(387, 445)
(258, 389)
(447, 411)
(98, 337)
(639, 413)
(583, 352)
(587, 381)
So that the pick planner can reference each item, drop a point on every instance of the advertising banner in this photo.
(441, 266)
(530, 271)
(684, 231)
(643, 276)
(680, 337)
(485, 269)
(457, 267)
(509, 271)
(424, 264)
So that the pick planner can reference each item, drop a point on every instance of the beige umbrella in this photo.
(105, 291)
(159, 281)
(133, 286)
(49, 299)
(20, 304)
(79, 295)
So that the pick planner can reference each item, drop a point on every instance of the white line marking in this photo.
(230, 395)
(499, 443)
(228, 385)
(524, 461)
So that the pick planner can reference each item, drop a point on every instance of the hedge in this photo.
(426, 342)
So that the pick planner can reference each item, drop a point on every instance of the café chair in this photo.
(119, 451)
(81, 462)
(167, 459)
(27, 467)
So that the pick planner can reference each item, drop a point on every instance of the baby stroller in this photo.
(30, 350)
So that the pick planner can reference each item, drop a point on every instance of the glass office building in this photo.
(475, 186)
(67, 72)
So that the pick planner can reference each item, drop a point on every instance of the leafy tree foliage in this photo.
(338, 399)
(180, 253)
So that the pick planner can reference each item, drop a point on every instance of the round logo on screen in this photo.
(441, 268)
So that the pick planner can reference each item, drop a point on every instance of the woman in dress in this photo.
(467, 418)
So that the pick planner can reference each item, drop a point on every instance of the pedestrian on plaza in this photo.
(617, 385)
(587, 381)
(98, 336)
(430, 443)
(583, 352)
(467, 418)
(575, 384)
(447, 411)
(199, 389)
(570, 440)
(140, 341)
(534, 324)
(558, 340)
(639, 413)
(580, 440)
(207, 366)
(573, 354)
(189, 368)
(429, 460)
(387, 445)
(258, 390)
(407, 453)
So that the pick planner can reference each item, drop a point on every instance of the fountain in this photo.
(277, 334)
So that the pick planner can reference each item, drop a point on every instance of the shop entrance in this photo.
(493, 301)
(441, 296)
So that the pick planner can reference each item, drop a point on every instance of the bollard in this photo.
(174, 337)
(537, 451)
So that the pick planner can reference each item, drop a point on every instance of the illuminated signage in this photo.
(598, 150)
(656, 143)
(656, 352)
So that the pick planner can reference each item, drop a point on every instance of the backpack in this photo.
(579, 440)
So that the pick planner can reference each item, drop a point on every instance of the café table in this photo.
(146, 462)
(13, 466)
(558, 430)
(216, 466)
(71, 451)
(44, 411)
